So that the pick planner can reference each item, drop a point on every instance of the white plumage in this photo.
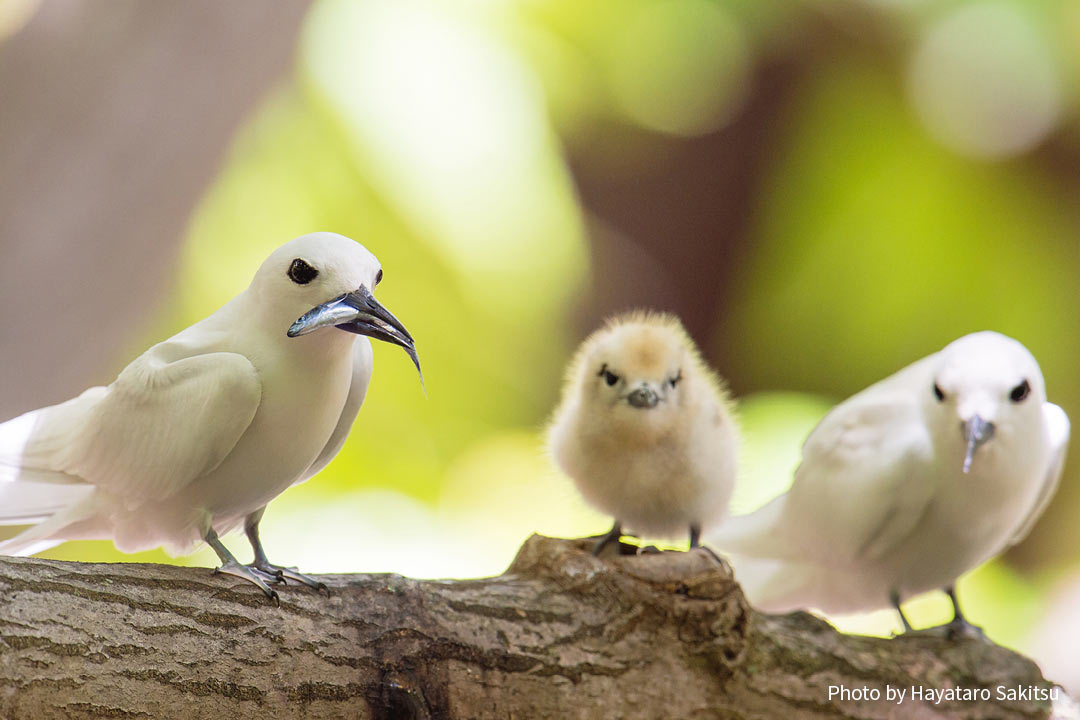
(201, 431)
(908, 484)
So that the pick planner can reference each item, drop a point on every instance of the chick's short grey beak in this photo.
(358, 312)
(643, 397)
(976, 432)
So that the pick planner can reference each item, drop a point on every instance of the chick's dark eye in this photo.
(301, 273)
(378, 277)
(676, 380)
(1020, 392)
(939, 393)
(609, 377)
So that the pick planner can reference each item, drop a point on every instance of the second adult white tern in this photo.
(201, 431)
(907, 485)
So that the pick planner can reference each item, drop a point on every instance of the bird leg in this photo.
(959, 627)
(894, 598)
(956, 629)
(261, 564)
(611, 536)
(230, 566)
(695, 543)
(695, 536)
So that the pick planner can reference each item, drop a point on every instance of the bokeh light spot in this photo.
(678, 67)
(984, 81)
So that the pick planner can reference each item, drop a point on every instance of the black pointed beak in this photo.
(976, 432)
(358, 312)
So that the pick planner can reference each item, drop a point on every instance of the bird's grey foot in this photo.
(695, 544)
(609, 537)
(648, 550)
(229, 566)
(288, 573)
(959, 628)
(263, 566)
(956, 629)
(232, 567)
(272, 578)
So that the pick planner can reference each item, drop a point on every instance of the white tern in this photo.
(201, 431)
(645, 429)
(907, 485)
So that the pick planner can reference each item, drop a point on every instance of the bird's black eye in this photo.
(301, 273)
(609, 377)
(378, 277)
(676, 380)
(939, 393)
(1020, 392)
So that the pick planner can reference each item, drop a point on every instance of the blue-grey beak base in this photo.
(358, 312)
(976, 432)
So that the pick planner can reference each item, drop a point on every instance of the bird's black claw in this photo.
(284, 574)
(271, 577)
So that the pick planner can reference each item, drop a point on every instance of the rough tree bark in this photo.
(560, 635)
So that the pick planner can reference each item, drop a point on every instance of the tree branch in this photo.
(560, 635)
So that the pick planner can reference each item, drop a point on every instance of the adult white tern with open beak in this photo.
(201, 431)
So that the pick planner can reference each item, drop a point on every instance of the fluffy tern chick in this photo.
(201, 431)
(907, 485)
(646, 430)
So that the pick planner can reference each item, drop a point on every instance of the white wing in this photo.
(29, 490)
(861, 487)
(863, 484)
(164, 422)
(361, 376)
(1057, 424)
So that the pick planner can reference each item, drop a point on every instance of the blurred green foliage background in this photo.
(825, 191)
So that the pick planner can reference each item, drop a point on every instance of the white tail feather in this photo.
(28, 548)
(758, 534)
(51, 530)
(23, 503)
(31, 489)
(771, 585)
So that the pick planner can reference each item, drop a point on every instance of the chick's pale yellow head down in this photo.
(640, 361)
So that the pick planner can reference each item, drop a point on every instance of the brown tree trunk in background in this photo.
(671, 231)
(114, 117)
(561, 635)
(671, 218)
